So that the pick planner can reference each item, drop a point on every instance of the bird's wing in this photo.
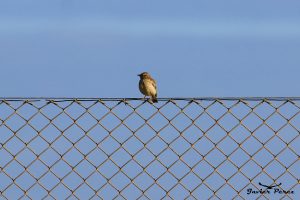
(154, 83)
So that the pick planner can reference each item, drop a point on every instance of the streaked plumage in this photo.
(147, 86)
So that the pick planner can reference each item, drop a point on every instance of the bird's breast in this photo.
(147, 88)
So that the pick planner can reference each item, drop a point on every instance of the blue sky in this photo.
(200, 48)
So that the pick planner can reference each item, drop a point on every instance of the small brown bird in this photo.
(147, 86)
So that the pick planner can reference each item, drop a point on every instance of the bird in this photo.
(147, 86)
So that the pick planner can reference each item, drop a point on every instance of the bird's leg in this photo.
(145, 99)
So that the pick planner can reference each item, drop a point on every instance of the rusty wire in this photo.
(127, 148)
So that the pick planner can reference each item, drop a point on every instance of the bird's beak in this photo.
(138, 75)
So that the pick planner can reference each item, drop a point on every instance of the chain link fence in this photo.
(202, 148)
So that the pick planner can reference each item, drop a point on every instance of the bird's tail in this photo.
(154, 99)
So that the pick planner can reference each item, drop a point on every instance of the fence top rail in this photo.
(269, 98)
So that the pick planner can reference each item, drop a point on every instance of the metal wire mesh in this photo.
(182, 148)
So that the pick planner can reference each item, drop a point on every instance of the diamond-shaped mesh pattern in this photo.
(130, 149)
